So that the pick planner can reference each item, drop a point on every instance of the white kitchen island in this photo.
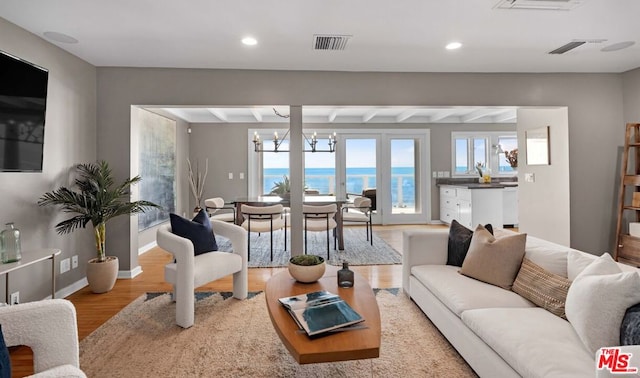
(473, 204)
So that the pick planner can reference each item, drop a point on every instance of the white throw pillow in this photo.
(597, 301)
(576, 262)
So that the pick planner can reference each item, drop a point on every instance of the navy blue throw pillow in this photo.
(630, 327)
(459, 242)
(5, 361)
(197, 230)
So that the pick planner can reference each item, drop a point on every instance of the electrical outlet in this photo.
(230, 175)
(15, 298)
(241, 175)
(74, 261)
(65, 265)
(435, 174)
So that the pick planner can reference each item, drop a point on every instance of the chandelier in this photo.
(277, 142)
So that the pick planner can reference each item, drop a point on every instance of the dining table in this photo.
(308, 200)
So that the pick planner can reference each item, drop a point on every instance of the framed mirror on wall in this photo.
(538, 146)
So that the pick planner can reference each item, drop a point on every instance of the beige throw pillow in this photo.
(542, 287)
(494, 261)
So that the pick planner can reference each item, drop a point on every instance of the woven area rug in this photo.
(357, 250)
(233, 338)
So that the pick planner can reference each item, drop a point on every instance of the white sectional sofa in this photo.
(498, 332)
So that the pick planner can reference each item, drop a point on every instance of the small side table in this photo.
(30, 257)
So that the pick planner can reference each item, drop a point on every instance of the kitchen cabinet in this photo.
(471, 206)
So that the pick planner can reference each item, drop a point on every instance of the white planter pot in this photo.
(102, 275)
(307, 273)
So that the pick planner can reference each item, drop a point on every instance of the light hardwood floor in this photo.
(95, 309)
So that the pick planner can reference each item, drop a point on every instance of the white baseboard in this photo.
(68, 290)
(129, 274)
(147, 248)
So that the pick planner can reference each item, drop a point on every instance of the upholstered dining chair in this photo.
(320, 218)
(359, 211)
(264, 219)
(190, 271)
(217, 210)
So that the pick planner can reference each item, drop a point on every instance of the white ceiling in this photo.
(394, 36)
(352, 114)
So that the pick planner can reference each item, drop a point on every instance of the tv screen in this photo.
(23, 100)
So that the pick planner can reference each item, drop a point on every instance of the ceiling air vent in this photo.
(539, 4)
(330, 42)
(573, 44)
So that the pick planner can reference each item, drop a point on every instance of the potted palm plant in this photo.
(282, 188)
(96, 200)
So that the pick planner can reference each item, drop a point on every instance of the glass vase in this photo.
(345, 276)
(10, 244)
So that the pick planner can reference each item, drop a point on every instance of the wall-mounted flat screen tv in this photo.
(23, 100)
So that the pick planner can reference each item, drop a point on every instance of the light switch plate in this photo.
(529, 177)
(241, 175)
(230, 175)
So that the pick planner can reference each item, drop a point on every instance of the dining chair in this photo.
(359, 211)
(320, 218)
(217, 210)
(264, 219)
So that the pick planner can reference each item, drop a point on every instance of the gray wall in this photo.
(70, 138)
(631, 93)
(594, 103)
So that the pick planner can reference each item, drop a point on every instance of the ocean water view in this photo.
(324, 180)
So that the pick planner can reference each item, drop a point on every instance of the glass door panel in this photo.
(403, 176)
(360, 165)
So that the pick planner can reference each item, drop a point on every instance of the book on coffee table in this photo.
(320, 312)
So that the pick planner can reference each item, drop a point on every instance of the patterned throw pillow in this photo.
(198, 230)
(459, 241)
(630, 328)
(494, 261)
(545, 289)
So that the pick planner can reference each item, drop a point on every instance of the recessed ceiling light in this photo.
(59, 37)
(249, 41)
(618, 46)
(453, 46)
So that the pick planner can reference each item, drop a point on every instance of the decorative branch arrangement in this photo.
(196, 182)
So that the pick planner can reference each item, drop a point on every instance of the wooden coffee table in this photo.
(336, 346)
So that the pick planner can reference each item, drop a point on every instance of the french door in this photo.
(395, 164)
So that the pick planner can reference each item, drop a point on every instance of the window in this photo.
(484, 148)
(320, 170)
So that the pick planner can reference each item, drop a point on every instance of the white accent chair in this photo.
(320, 218)
(217, 210)
(189, 271)
(50, 329)
(359, 211)
(264, 219)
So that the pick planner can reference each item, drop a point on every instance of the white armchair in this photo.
(50, 329)
(189, 271)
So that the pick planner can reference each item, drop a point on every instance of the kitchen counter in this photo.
(496, 185)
